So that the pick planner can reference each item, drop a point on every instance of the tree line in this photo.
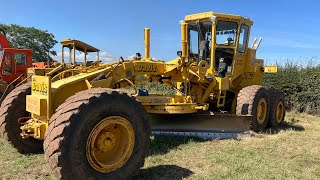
(39, 41)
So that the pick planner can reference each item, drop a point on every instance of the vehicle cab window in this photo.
(200, 40)
(226, 36)
(226, 33)
(20, 58)
(243, 38)
(7, 66)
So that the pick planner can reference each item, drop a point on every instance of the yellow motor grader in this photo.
(92, 129)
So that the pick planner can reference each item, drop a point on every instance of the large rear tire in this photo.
(277, 108)
(13, 107)
(98, 134)
(254, 100)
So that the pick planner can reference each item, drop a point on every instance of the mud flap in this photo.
(205, 125)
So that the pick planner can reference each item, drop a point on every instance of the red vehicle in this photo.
(14, 64)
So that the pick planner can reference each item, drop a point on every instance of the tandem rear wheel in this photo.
(277, 108)
(265, 107)
(98, 134)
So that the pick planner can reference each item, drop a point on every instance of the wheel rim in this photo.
(262, 111)
(279, 111)
(110, 144)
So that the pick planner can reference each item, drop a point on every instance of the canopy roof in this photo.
(79, 45)
(208, 15)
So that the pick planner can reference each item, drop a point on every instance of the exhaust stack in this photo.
(183, 39)
(147, 43)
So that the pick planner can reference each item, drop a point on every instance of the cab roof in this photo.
(208, 15)
(79, 45)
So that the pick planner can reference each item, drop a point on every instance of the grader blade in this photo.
(208, 125)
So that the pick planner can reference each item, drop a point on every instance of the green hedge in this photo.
(301, 85)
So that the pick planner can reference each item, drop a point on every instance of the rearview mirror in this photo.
(179, 53)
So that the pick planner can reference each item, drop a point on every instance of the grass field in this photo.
(292, 152)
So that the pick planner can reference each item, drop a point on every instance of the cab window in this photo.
(243, 38)
(20, 58)
(1, 50)
(200, 40)
(193, 42)
(6, 70)
(226, 33)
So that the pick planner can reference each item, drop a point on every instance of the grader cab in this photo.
(91, 128)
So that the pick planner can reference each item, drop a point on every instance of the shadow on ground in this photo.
(163, 144)
(287, 125)
(164, 172)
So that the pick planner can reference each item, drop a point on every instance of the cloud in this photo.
(58, 57)
(131, 56)
(106, 57)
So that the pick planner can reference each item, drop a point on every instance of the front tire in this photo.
(13, 107)
(254, 100)
(98, 134)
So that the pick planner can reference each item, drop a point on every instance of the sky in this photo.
(289, 28)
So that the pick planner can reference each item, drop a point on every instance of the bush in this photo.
(300, 84)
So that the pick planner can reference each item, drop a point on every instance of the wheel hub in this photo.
(106, 141)
(110, 144)
(262, 111)
(279, 111)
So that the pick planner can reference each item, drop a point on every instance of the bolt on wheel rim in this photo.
(262, 111)
(110, 144)
(279, 111)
